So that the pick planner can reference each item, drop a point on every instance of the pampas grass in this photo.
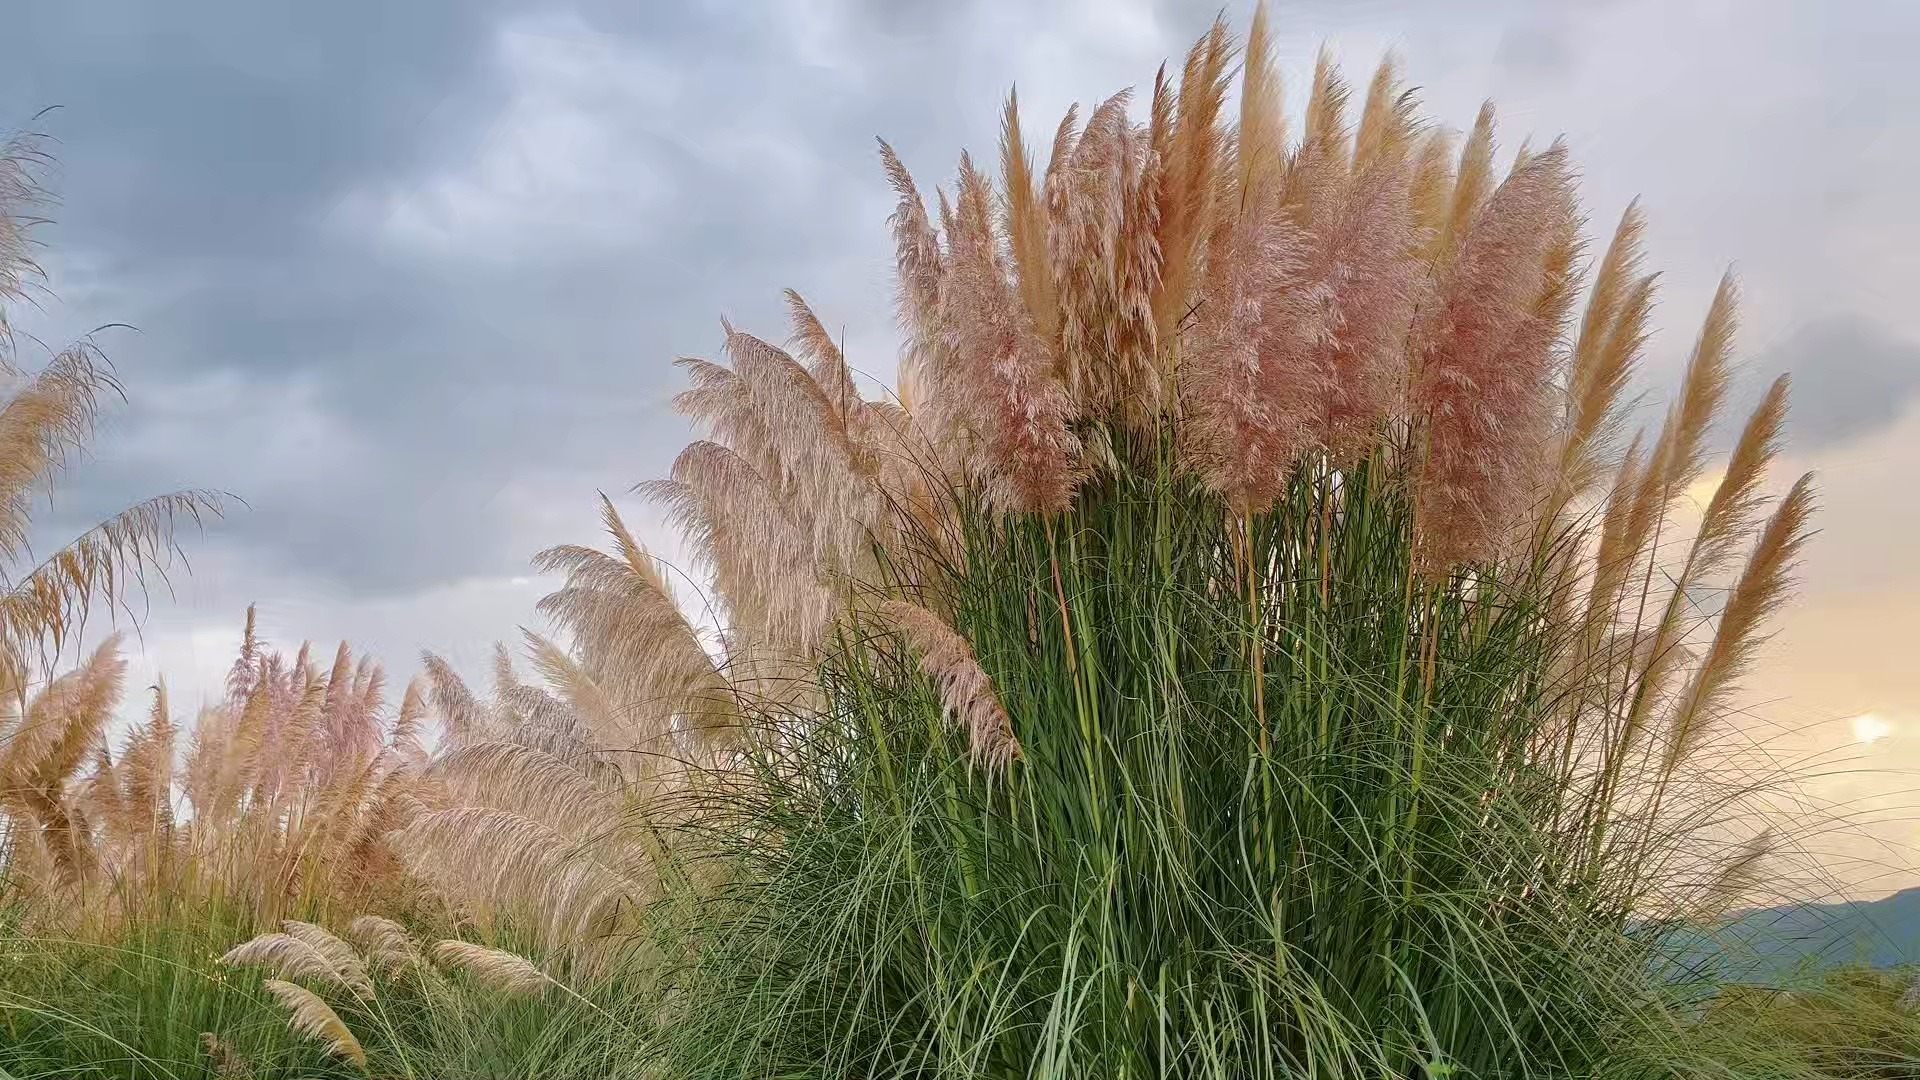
(47, 417)
(387, 945)
(400, 1001)
(279, 802)
(1238, 647)
(1303, 625)
(303, 951)
(966, 694)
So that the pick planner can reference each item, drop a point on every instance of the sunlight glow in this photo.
(1869, 728)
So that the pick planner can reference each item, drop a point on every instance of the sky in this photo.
(407, 279)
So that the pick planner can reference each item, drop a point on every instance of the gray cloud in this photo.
(262, 200)
(1850, 378)
(409, 277)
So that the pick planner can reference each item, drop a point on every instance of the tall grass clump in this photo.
(275, 802)
(1852, 1023)
(379, 1000)
(1243, 646)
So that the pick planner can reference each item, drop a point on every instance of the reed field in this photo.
(1253, 636)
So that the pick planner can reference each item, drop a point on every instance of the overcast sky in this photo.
(408, 278)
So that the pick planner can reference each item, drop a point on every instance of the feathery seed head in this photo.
(504, 971)
(313, 1017)
(966, 693)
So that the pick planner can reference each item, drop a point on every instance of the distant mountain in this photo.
(1774, 945)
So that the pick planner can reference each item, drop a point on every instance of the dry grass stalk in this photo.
(1727, 522)
(227, 1063)
(760, 557)
(59, 732)
(1026, 225)
(304, 951)
(22, 196)
(824, 360)
(1190, 143)
(635, 641)
(387, 945)
(1389, 121)
(1605, 355)
(48, 416)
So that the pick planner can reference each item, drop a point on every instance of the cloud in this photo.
(1851, 377)
(1538, 51)
(409, 277)
(389, 290)
(570, 160)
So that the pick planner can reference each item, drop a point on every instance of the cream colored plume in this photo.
(1101, 198)
(386, 944)
(966, 693)
(504, 971)
(1760, 590)
(825, 362)
(571, 887)
(1190, 143)
(530, 782)
(41, 756)
(304, 951)
(633, 639)
(21, 197)
(1605, 355)
(760, 556)
(1728, 521)
(314, 1018)
(465, 717)
(801, 441)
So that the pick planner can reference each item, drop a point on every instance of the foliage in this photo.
(156, 1003)
(1850, 1024)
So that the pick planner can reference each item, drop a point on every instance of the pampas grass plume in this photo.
(966, 693)
(497, 968)
(314, 1018)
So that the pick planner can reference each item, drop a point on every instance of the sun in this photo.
(1869, 728)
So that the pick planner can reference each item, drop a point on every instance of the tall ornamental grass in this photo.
(1244, 647)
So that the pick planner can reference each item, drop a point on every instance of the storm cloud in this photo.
(408, 278)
